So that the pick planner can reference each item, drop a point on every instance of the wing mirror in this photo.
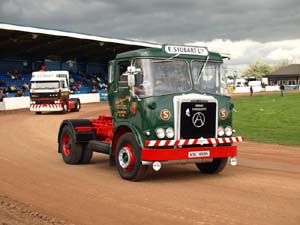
(131, 80)
(131, 72)
(130, 76)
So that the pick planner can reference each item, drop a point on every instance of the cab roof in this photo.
(159, 52)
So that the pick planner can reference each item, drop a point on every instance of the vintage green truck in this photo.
(168, 105)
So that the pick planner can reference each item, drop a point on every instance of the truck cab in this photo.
(49, 91)
(168, 105)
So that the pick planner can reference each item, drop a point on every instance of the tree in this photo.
(257, 70)
(282, 63)
(226, 70)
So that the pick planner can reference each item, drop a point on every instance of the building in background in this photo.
(289, 75)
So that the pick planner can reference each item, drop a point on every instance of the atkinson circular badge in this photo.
(165, 114)
(198, 119)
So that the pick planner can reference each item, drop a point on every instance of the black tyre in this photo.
(77, 105)
(86, 156)
(70, 151)
(216, 166)
(65, 107)
(38, 113)
(128, 158)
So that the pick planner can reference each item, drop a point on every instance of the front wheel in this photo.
(128, 158)
(64, 107)
(70, 151)
(216, 166)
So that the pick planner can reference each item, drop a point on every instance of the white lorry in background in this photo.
(49, 91)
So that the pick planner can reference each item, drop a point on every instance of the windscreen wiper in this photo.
(199, 75)
(166, 60)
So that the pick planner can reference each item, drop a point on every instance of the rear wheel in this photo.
(77, 105)
(70, 151)
(128, 158)
(86, 156)
(216, 166)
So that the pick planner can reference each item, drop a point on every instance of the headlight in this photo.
(160, 133)
(32, 102)
(228, 131)
(170, 132)
(220, 131)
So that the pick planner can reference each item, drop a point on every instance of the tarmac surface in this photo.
(37, 187)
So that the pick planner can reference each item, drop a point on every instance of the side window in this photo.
(110, 72)
(122, 68)
(62, 84)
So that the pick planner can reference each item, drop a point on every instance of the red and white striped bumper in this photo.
(186, 154)
(198, 141)
(45, 107)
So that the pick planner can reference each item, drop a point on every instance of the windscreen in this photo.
(162, 76)
(209, 78)
(44, 84)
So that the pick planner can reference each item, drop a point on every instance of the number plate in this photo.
(199, 154)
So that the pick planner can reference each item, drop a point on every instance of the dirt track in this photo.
(36, 187)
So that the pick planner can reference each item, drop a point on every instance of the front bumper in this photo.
(191, 154)
(45, 107)
(189, 150)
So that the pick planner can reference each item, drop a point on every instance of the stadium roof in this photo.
(290, 70)
(22, 42)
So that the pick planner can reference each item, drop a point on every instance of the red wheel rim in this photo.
(126, 157)
(67, 144)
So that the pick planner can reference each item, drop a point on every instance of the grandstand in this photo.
(8, 82)
(25, 49)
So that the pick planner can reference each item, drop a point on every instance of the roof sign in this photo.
(50, 74)
(43, 75)
(185, 50)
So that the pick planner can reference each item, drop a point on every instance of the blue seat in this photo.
(27, 93)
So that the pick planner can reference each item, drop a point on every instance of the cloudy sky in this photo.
(267, 30)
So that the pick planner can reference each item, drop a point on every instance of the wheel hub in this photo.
(67, 145)
(126, 158)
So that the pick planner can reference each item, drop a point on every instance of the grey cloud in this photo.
(162, 21)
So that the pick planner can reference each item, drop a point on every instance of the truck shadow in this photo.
(55, 113)
(167, 174)
(178, 173)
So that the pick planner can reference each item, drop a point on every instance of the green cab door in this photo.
(122, 94)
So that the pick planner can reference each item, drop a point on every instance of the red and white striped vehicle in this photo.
(49, 91)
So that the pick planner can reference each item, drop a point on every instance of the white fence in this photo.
(247, 89)
(24, 102)
(267, 88)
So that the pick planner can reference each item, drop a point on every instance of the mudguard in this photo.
(129, 128)
(84, 135)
